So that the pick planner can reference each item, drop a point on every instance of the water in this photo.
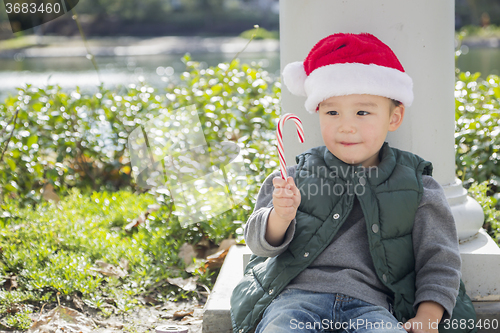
(156, 70)
(483, 60)
(113, 71)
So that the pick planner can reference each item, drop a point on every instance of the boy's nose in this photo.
(346, 128)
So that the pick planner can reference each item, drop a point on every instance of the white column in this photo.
(421, 33)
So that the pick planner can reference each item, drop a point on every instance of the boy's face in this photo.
(354, 127)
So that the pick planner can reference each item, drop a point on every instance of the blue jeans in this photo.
(297, 310)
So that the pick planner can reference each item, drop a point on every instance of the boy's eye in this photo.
(332, 113)
(363, 113)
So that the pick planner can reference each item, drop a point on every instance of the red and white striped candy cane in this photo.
(279, 136)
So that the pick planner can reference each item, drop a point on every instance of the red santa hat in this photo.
(344, 64)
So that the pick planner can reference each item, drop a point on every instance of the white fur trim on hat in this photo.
(294, 77)
(354, 78)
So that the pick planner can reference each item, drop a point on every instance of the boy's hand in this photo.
(286, 198)
(427, 319)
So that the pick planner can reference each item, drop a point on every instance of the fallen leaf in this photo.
(182, 313)
(124, 264)
(136, 222)
(62, 319)
(188, 284)
(148, 299)
(142, 217)
(187, 253)
(216, 260)
(109, 270)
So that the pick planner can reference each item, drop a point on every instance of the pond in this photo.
(156, 70)
(483, 60)
(113, 71)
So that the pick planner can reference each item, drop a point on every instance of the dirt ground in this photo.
(148, 318)
(145, 319)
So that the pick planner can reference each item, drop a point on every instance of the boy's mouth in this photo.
(348, 143)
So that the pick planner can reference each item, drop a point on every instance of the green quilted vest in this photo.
(389, 196)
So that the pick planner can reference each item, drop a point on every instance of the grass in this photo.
(55, 249)
(14, 310)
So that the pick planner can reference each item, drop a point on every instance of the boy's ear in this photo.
(396, 117)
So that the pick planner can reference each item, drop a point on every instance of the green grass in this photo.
(54, 248)
(14, 310)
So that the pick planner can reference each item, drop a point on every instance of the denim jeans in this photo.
(297, 310)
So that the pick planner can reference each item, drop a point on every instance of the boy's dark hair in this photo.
(395, 102)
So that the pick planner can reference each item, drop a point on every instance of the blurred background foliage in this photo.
(160, 18)
(477, 12)
(205, 17)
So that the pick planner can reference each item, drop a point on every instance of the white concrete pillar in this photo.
(421, 33)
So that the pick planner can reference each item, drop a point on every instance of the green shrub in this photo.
(72, 139)
(491, 214)
(477, 118)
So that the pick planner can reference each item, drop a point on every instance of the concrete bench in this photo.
(216, 317)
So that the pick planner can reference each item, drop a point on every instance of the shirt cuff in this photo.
(435, 295)
(277, 250)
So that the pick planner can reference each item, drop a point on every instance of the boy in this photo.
(360, 237)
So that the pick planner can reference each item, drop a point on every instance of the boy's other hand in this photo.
(427, 319)
(286, 198)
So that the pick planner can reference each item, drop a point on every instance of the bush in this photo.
(80, 140)
(480, 191)
(477, 142)
(477, 118)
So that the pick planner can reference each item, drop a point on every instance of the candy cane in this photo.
(279, 136)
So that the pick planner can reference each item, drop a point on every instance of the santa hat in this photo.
(344, 64)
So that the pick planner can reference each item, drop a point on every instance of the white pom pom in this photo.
(294, 77)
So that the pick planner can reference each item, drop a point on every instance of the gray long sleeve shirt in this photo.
(346, 267)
